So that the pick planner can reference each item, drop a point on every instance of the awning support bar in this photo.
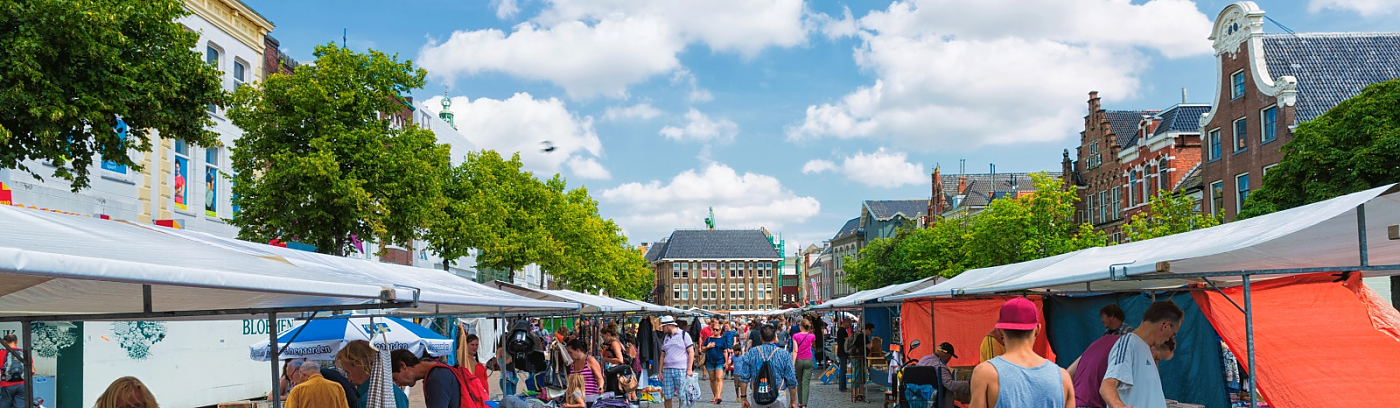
(1361, 234)
(1222, 294)
(201, 313)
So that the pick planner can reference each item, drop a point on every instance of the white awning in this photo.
(1318, 237)
(65, 266)
(855, 300)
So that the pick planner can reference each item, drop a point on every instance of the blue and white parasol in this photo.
(320, 339)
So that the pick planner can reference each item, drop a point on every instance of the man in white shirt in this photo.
(1132, 379)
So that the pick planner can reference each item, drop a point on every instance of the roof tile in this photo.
(719, 244)
(1331, 67)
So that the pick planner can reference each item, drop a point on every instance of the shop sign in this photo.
(259, 326)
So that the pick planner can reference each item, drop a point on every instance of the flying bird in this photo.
(548, 146)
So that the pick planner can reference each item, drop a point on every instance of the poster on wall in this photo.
(211, 180)
(182, 189)
(112, 166)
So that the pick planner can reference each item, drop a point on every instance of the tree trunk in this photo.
(446, 265)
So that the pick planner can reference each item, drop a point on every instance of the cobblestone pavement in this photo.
(821, 396)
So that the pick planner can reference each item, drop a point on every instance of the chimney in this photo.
(1183, 95)
(962, 184)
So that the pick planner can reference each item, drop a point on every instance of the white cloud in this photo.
(1365, 8)
(587, 168)
(818, 166)
(585, 59)
(643, 111)
(879, 169)
(578, 44)
(505, 8)
(972, 74)
(742, 26)
(833, 28)
(697, 94)
(527, 125)
(699, 127)
(650, 210)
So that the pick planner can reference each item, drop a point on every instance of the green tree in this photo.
(1009, 230)
(1352, 147)
(593, 251)
(1028, 227)
(318, 163)
(496, 208)
(72, 68)
(1167, 214)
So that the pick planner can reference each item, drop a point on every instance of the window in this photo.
(1241, 190)
(1217, 197)
(1213, 142)
(1237, 84)
(1269, 124)
(1103, 205)
(1117, 203)
(1162, 179)
(1241, 134)
(1132, 181)
(1093, 209)
(685, 291)
(240, 73)
(685, 272)
(675, 291)
(1143, 195)
(211, 182)
(1140, 188)
(675, 272)
(182, 174)
(211, 56)
(1266, 171)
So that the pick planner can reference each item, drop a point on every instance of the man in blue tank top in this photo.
(1019, 377)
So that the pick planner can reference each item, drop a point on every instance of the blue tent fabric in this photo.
(1194, 375)
(882, 317)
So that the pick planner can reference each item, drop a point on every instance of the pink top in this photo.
(804, 341)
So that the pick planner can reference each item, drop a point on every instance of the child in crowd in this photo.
(735, 361)
(573, 395)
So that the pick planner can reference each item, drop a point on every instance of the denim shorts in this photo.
(673, 382)
(713, 366)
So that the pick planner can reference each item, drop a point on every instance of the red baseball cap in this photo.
(1018, 314)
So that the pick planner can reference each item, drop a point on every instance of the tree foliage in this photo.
(512, 220)
(1009, 230)
(318, 164)
(70, 69)
(1353, 147)
(1167, 214)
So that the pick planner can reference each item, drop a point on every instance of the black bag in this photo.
(764, 387)
(520, 342)
(13, 370)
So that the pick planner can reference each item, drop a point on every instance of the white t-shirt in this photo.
(1130, 362)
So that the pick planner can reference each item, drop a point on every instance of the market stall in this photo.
(70, 268)
(1342, 234)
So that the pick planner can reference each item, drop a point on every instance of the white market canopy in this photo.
(856, 300)
(590, 304)
(1319, 237)
(65, 267)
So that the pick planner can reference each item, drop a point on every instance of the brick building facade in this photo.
(1166, 148)
(1096, 173)
(716, 270)
(1267, 85)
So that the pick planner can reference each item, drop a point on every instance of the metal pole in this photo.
(1249, 339)
(27, 354)
(272, 348)
(1361, 234)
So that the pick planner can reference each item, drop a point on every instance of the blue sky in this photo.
(788, 113)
